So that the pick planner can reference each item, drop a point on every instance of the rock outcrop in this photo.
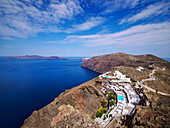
(107, 62)
(84, 59)
(73, 108)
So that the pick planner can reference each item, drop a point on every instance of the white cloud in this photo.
(151, 10)
(116, 5)
(23, 19)
(7, 38)
(54, 42)
(6, 46)
(92, 22)
(140, 35)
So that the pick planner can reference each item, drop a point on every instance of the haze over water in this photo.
(28, 85)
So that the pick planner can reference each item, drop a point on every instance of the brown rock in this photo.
(107, 62)
(73, 108)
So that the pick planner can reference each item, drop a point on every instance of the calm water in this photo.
(28, 85)
(168, 59)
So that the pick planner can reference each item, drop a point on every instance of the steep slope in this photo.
(73, 108)
(107, 62)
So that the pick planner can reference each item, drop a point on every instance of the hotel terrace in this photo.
(127, 98)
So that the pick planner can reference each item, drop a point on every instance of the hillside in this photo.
(107, 62)
(73, 108)
(132, 72)
(162, 82)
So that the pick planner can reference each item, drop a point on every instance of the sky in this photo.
(84, 27)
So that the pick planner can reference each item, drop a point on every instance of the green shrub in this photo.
(132, 80)
(100, 112)
(156, 74)
(104, 118)
(134, 84)
(103, 103)
(93, 117)
(110, 115)
(97, 78)
(112, 96)
(98, 115)
(104, 110)
(105, 93)
(109, 111)
(112, 102)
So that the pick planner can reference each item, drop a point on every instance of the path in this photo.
(148, 88)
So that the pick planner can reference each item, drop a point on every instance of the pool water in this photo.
(106, 76)
(120, 97)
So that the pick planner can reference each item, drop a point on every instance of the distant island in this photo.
(36, 57)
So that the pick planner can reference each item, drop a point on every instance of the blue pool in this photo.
(120, 97)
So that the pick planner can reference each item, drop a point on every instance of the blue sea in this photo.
(167, 59)
(28, 85)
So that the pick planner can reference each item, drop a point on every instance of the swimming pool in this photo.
(106, 76)
(120, 97)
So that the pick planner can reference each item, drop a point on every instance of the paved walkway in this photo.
(148, 88)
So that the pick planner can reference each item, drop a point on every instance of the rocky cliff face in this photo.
(84, 59)
(73, 108)
(107, 62)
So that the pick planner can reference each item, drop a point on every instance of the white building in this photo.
(104, 75)
(140, 69)
(117, 78)
(120, 77)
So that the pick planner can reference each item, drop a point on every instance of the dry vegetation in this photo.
(159, 86)
(133, 73)
(162, 82)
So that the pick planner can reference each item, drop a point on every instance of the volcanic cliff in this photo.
(73, 108)
(107, 62)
